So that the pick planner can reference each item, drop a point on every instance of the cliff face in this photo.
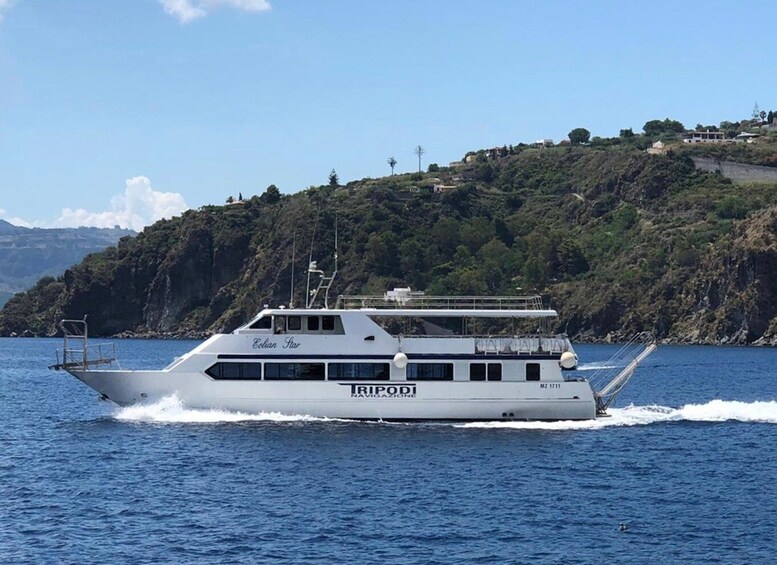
(619, 241)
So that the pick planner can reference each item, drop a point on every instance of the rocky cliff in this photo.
(618, 240)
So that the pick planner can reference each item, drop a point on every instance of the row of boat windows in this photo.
(357, 371)
(304, 324)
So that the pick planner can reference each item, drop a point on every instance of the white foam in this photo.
(596, 367)
(713, 411)
(170, 410)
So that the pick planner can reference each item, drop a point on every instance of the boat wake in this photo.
(713, 411)
(596, 366)
(170, 410)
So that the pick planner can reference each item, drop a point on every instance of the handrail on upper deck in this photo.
(405, 298)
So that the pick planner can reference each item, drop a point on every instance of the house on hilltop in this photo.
(705, 137)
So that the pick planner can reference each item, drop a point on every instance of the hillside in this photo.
(27, 254)
(618, 241)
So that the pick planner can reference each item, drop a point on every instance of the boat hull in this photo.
(373, 400)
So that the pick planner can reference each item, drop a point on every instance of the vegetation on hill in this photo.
(618, 241)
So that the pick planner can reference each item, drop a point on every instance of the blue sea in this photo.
(687, 462)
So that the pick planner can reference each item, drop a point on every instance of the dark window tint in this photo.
(494, 371)
(235, 371)
(262, 323)
(280, 324)
(358, 371)
(477, 372)
(295, 323)
(230, 371)
(532, 371)
(430, 372)
(327, 323)
(313, 323)
(294, 371)
(252, 371)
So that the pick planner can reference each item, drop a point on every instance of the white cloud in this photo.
(14, 220)
(138, 207)
(190, 10)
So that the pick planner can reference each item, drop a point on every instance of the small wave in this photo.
(170, 410)
(713, 411)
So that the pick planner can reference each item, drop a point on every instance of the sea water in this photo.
(685, 470)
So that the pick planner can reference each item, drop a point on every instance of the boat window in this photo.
(312, 323)
(295, 323)
(477, 372)
(430, 372)
(294, 371)
(235, 371)
(494, 371)
(359, 371)
(280, 324)
(327, 323)
(263, 323)
(532, 371)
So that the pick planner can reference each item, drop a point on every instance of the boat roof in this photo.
(405, 302)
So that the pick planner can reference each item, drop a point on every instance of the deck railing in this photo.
(419, 301)
(76, 353)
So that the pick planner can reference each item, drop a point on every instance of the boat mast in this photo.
(324, 282)
(293, 257)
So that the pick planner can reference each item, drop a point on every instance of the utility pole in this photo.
(419, 151)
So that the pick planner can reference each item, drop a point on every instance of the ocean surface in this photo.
(687, 462)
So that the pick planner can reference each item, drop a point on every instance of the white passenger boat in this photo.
(400, 356)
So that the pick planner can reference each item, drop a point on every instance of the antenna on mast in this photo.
(293, 258)
(312, 267)
(324, 282)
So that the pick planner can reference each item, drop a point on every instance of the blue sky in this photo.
(122, 110)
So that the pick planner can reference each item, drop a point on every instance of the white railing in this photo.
(417, 301)
(82, 356)
(522, 345)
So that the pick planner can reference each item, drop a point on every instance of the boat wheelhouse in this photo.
(400, 356)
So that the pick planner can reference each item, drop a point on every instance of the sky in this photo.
(124, 112)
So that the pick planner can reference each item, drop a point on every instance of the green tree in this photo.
(445, 234)
(392, 163)
(571, 259)
(627, 133)
(579, 135)
(534, 273)
(271, 194)
(770, 117)
(659, 127)
(485, 173)
(433, 168)
(334, 181)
